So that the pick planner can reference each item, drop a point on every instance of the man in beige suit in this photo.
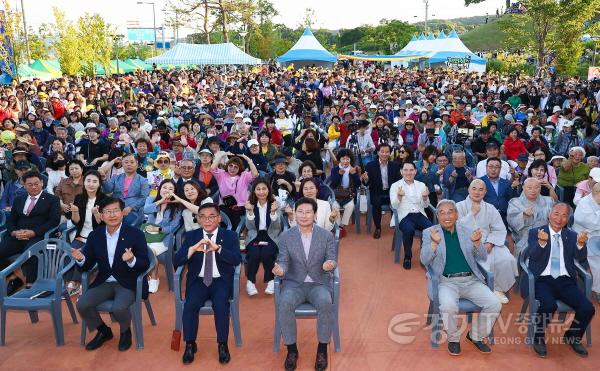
(409, 198)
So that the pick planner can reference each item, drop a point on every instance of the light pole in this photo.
(25, 33)
(426, 15)
(243, 32)
(153, 21)
(117, 39)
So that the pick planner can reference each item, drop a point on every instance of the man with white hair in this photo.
(529, 210)
(475, 212)
(587, 217)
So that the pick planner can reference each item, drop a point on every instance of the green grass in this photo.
(485, 37)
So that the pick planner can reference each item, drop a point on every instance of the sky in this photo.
(330, 14)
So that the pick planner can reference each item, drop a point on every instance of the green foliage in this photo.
(488, 36)
(503, 67)
(67, 43)
(97, 36)
(133, 51)
(38, 42)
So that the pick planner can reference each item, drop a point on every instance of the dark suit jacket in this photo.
(539, 257)
(500, 199)
(44, 216)
(229, 257)
(181, 182)
(374, 170)
(95, 251)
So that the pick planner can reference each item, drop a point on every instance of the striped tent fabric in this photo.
(306, 52)
(204, 54)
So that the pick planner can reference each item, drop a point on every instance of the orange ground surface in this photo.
(373, 291)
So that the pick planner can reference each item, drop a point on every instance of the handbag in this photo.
(152, 237)
(343, 194)
(230, 200)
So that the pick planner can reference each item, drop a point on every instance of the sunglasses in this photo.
(401, 151)
(162, 161)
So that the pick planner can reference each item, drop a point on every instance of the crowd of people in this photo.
(279, 158)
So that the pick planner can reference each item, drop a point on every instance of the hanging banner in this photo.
(459, 63)
(7, 65)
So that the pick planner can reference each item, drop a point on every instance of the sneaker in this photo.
(454, 348)
(501, 296)
(251, 288)
(153, 285)
(270, 290)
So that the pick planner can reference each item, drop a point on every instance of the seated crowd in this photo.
(485, 173)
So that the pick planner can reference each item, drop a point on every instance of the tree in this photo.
(67, 43)
(551, 27)
(469, 2)
(38, 41)
(97, 36)
(310, 18)
(390, 35)
(12, 37)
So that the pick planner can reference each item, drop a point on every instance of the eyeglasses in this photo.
(111, 212)
(162, 161)
(211, 218)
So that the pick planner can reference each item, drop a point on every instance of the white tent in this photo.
(443, 51)
(307, 51)
(204, 54)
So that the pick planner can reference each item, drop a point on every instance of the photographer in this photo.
(567, 139)
(429, 137)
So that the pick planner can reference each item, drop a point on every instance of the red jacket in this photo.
(513, 148)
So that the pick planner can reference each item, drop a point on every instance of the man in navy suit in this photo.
(379, 176)
(121, 253)
(212, 254)
(32, 215)
(499, 190)
(552, 250)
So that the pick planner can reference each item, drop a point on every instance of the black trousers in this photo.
(377, 200)
(256, 254)
(233, 214)
(563, 288)
(10, 246)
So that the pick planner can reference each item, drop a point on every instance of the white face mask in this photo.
(210, 135)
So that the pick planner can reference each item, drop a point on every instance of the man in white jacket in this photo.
(409, 198)
(587, 217)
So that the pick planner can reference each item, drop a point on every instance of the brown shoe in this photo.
(321, 362)
(291, 361)
(377, 233)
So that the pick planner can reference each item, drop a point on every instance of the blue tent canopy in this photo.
(308, 51)
(204, 54)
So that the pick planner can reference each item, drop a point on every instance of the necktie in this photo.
(208, 265)
(555, 258)
(31, 205)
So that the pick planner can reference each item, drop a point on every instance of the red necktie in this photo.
(31, 205)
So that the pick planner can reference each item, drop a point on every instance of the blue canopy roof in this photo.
(204, 54)
(307, 48)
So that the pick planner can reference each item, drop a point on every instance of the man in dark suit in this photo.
(552, 250)
(499, 190)
(32, 215)
(212, 253)
(187, 168)
(379, 176)
(121, 253)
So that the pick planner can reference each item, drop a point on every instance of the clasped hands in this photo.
(205, 245)
(23, 234)
(328, 266)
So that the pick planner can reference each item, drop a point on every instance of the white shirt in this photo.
(262, 213)
(384, 175)
(215, 270)
(563, 269)
(28, 202)
(504, 170)
(411, 197)
(88, 223)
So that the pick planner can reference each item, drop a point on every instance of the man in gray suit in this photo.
(307, 258)
(452, 250)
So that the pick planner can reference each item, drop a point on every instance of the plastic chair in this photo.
(306, 310)
(530, 301)
(166, 258)
(369, 220)
(135, 308)
(54, 260)
(398, 236)
(207, 310)
(464, 306)
(560, 192)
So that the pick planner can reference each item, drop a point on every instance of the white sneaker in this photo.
(501, 296)
(251, 288)
(270, 290)
(153, 285)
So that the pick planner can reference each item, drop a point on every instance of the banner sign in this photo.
(461, 63)
(7, 65)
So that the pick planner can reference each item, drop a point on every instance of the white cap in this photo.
(239, 115)
(556, 109)
(252, 142)
(595, 174)
(567, 123)
(90, 125)
(247, 119)
(372, 106)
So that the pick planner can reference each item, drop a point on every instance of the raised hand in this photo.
(365, 177)
(528, 212)
(582, 238)
(128, 255)
(435, 236)
(77, 254)
(74, 208)
(542, 237)
(328, 266)
(274, 207)
(401, 193)
(425, 193)
(249, 207)
(277, 270)
(476, 235)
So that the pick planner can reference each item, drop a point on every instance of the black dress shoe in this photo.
(539, 347)
(480, 345)
(125, 340)
(377, 233)
(291, 361)
(407, 264)
(224, 356)
(188, 354)
(14, 286)
(454, 348)
(102, 336)
(576, 345)
(321, 362)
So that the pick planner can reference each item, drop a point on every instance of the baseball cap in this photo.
(252, 142)
(205, 150)
(239, 115)
(556, 109)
